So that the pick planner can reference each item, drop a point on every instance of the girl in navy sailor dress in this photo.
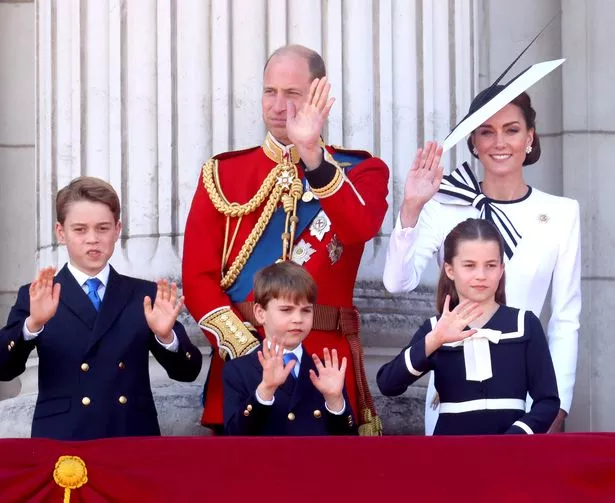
(486, 356)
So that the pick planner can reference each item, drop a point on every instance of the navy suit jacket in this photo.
(298, 409)
(93, 372)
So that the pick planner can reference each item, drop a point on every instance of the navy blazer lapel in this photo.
(304, 383)
(117, 296)
(75, 299)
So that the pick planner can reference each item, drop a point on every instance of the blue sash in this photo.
(268, 247)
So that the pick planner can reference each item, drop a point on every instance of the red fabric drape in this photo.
(541, 468)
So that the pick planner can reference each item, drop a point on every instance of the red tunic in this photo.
(356, 212)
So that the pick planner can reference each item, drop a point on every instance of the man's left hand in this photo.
(304, 125)
(558, 424)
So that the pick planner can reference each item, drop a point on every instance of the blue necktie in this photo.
(289, 357)
(93, 284)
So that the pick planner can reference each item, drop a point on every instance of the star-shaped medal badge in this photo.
(335, 249)
(320, 225)
(302, 252)
(285, 179)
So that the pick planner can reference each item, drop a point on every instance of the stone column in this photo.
(588, 152)
(17, 194)
(123, 94)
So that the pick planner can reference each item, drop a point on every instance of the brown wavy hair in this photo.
(471, 229)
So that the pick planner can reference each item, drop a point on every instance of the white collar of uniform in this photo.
(298, 351)
(82, 277)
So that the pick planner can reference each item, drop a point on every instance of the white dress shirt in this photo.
(548, 254)
(103, 276)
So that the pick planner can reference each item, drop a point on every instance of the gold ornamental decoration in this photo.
(70, 472)
(282, 184)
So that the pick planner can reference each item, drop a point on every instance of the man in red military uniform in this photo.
(293, 198)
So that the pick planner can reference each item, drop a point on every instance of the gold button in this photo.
(123, 400)
(121, 365)
(188, 355)
(246, 412)
(317, 414)
(249, 407)
(86, 401)
(85, 367)
(291, 416)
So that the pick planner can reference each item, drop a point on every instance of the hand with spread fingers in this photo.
(275, 372)
(451, 325)
(304, 125)
(162, 315)
(422, 182)
(44, 299)
(330, 378)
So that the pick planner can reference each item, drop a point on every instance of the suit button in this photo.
(350, 421)
(246, 412)
(86, 401)
(121, 366)
(85, 367)
(249, 407)
(12, 344)
(291, 416)
(317, 414)
(9, 347)
(188, 355)
(123, 400)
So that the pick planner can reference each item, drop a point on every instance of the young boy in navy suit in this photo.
(94, 328)
(279, 389)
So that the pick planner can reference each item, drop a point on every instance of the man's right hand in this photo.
(422, 182)
(274, 372)
(44, 299)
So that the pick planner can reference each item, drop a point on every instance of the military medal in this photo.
(307, 196)
(335, 249)
(302, 252)
(285, 179)
(320, 225)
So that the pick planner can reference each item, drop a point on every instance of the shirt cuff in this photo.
(172, 346)
(403, 232)
(264, 402)
(339, 412)
(27, 335)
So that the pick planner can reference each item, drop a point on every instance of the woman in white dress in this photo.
(541, 231)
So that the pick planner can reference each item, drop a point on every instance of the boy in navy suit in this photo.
(94, 328)
(279, 389)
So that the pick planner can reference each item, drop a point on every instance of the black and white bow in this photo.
(463, 185)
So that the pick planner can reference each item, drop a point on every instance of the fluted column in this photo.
(142, 92)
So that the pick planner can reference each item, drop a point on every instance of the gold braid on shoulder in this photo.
(278, 182)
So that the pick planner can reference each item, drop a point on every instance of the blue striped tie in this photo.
(93, 284)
